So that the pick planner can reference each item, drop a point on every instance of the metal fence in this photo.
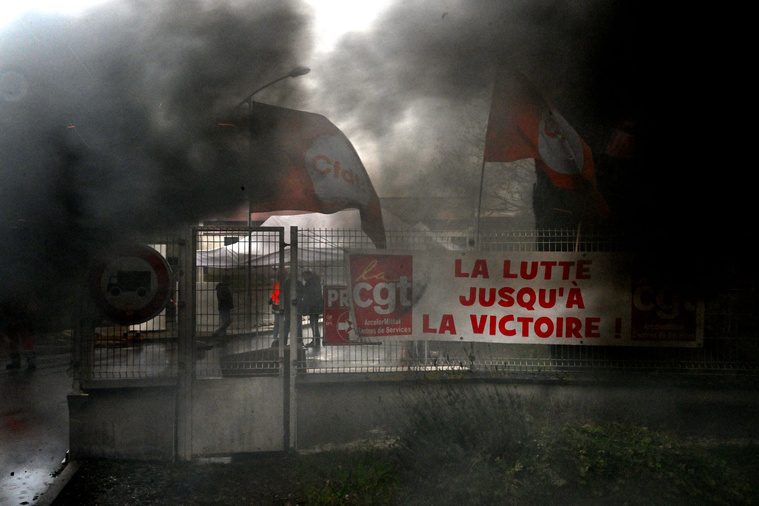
(104, 351)
(729, 344)
(248, 259)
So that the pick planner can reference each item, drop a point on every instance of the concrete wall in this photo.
(237, 415)
(131, 423)
(241, 415)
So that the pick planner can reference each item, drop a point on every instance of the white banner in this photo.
(529, 298)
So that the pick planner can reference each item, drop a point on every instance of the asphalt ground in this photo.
(34, 426)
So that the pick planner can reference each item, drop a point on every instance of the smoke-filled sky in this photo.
(105, 113)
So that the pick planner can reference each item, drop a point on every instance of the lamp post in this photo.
(296, 72)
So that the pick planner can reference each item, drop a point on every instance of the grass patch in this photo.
(359, 477)
(486, 446)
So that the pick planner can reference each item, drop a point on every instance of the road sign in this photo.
(131, 283)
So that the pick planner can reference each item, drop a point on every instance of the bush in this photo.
(483, 445)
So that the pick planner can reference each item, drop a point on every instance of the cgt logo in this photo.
(323, 165)
(664, 312)
(382, 293)
(336, 170)
(383, 297)
(666, 302)
(559, 144)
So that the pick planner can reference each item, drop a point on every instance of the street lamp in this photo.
(297, 71)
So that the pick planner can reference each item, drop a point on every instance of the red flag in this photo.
(621, 143)
(312, 166)
(523, 124)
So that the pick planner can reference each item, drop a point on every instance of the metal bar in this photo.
(295, 340)
(186, 347)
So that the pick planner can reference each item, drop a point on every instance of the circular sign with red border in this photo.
(131, 283)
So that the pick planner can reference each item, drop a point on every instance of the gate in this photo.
(241, 389)
(185, 384)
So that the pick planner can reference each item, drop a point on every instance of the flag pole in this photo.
(482, 173)
(479, 206)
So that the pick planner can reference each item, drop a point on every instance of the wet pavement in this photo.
(34, 425)
(154, 356)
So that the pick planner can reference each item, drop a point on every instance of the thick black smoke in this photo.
(435, 62)
(423, 75)
(109, 126)
(107, 120)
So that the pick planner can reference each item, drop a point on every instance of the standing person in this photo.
(285, 295)
(225, 305)
(313, 304)
(19, 328)
(274, 300)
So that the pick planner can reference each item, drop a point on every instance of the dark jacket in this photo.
(313, 300)
(224, 297)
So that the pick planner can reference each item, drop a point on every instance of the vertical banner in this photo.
(553, 298)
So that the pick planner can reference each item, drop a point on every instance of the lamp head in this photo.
(299, 71)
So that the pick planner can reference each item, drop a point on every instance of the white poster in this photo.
(556, 298)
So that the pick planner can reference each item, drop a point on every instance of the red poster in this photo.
(381, 294)
(661, 313)
(338, 325)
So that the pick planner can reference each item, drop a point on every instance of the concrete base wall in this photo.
(242, 415)
(237, 415)
(130, 423)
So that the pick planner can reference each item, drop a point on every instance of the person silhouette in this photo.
(225, 305)
(313, 304)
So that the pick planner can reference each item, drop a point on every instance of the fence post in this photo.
(295, 338)
(185, 345)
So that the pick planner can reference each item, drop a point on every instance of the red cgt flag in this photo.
(523, 124)
(311, 166)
